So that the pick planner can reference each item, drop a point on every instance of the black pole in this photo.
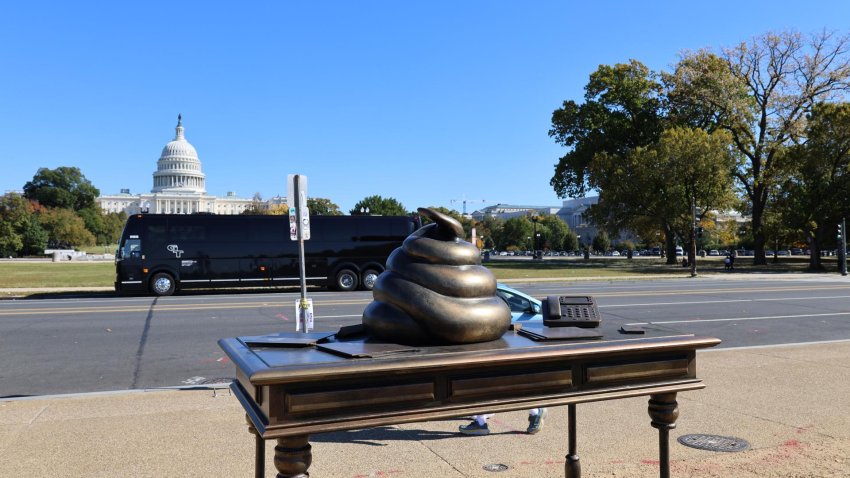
(843, 245)
(693, 251)
(302, 310)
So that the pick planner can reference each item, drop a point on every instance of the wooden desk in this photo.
(290, 392)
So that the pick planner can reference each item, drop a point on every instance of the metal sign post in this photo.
(299, 224)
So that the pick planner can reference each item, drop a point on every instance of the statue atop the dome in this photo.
(435, 290)
(179, 119)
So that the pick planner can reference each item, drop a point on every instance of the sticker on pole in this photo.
(304, 313)
(305, 223)
(293, 224)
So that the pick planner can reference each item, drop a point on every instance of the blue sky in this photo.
(425, 102)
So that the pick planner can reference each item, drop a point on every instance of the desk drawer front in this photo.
(502, 385)
(661, 369)
(356, 398)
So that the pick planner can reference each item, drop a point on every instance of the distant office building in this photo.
(572, 212)
(179, 186)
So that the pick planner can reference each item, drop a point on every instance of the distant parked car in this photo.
(714, 252)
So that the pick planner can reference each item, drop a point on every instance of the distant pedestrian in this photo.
(478, 426)
(727, 263)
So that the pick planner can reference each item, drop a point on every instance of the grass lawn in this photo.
(15, 274)
(575, 268)
(56, 274)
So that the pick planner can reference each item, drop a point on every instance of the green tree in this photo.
(608, 136)
(622, 110)
(113, 225)
(379, 206)
(64, 187)
(516, 233)
(601, 242)
(322, 207)
(657, 183)
(761, 91)
(552, 231)
(20, 233)
(700, 171)
(64, 228)
(817, 193)
(10, 241)
(570, 242)
(93, 219)
(490, 228)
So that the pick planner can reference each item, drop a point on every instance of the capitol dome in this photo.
(178, 168)
(179, 148)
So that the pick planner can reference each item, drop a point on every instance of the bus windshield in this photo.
(131, 248)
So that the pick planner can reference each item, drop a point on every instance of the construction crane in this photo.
(464, 201)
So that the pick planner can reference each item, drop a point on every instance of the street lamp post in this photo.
(842, 247)
(534, 218)
(693, 252)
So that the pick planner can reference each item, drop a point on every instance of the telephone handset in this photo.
(570, 311)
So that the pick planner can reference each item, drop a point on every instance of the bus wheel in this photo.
(162, 284)
(368, 278)
(346, 280)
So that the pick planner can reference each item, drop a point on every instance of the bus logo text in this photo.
(175, 249)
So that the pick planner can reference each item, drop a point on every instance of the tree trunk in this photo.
(814, 238)
(758, 232)
(670, 245)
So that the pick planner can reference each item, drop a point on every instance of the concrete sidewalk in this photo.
(791, 403)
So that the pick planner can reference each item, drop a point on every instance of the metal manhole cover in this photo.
(495, 467)
(714, 442)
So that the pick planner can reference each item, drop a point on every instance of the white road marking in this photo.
(724, 301)
(740, 319)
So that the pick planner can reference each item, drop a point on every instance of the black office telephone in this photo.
(570, 311)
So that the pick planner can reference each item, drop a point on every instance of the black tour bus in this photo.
(162, 253)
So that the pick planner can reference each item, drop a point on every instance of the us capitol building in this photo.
(178, 186)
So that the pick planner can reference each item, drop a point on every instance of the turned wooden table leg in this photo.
(292, 457)
(572, 468)
(259, 451)
(664, 411)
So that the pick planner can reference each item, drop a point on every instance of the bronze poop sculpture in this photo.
(435, 291)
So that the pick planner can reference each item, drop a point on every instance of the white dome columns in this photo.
(179, 169)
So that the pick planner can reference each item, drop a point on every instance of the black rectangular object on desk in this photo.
(546, 334)
(570, 311)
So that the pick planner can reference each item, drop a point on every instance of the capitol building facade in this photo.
(179, 186)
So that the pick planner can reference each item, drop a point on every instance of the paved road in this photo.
(99, 343)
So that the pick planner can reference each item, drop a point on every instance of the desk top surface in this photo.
(296, 356)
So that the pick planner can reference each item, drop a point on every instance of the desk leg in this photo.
(664, 411)
(292, 457)
(572, 468)
(259, 451)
